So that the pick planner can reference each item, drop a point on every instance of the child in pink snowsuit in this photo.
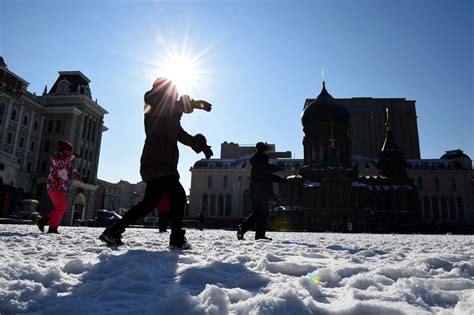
(60, 173)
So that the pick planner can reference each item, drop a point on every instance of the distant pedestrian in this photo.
(349, 226)
(60, 174)
(201, 221)
(163, 212)
(159, 160)
(261, 192)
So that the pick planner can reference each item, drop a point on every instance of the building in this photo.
(333, 185)
(30, 127)
(367, 124)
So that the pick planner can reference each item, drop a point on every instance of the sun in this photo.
(182, 70)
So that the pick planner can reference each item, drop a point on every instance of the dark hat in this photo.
(261, 147)
(161, 88)
(64, 145)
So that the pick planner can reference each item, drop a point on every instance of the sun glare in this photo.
(182, 71)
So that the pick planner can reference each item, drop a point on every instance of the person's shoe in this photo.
(240, 233)
(53, 231)
(41, 223)
(263, 238)
(178, 240)
(111, 237)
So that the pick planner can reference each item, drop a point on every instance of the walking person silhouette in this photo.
(261, 192)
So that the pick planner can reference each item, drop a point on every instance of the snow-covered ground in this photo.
(296, 273)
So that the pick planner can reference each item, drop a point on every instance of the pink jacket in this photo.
(61, 171)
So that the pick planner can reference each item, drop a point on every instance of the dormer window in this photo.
(63, 86)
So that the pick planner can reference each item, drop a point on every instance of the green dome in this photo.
(324, 109)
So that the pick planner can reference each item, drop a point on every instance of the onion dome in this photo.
(324, 109)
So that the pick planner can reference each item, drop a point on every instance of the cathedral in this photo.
(331, 191)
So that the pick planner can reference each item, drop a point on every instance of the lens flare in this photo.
(296, 249)
(314, 276)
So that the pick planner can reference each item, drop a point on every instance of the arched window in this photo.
(444, 209)
(420, 183)
(3, 106)
(228, 205)
(209, 181)
(460, 203)
(435, 206)
(25, 120)
(13, 115)
(452, 209)
(212, 207)
(220, 206)
(63, 86)
(204, 204)
(427, 208)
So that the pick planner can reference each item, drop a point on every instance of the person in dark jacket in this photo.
(261, 192)
(159, 160)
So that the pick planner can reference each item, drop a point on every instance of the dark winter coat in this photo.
(261, 175)
(163, 131)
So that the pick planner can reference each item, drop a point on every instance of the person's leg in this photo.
(250, 220)
(177, 206)
(177, 202)
(153, 192)
(261, 217)
(59, 201)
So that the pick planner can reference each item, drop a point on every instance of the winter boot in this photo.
(53, 231)
(178, 240)
(41, 223)
(111, 236)
(240, 233)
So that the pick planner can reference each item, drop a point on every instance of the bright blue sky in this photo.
(264, 59)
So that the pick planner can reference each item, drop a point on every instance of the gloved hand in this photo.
(200, 145)
(200, 104)
(208, 152)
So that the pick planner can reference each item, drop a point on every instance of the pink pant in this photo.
(59, 201)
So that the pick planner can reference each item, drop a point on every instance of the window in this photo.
(13, 115)
(204, 204)
(453, 184)
(420, 183)
(209, 181)
(224, 184)
(25, 120)
(50, 126)
(437, 187)
(93, 131)
(43, 167)
(10, 138)
(32, 146)
(427, 208)
(452, 209)
(212, 206)
(35, 125)
(2, 112)
(47, 144)
(28, 167)
(228, 205)
(435, 205)
(220, 205)
(58, 126)
(460, 203)
(444, 209)
(22, 142)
